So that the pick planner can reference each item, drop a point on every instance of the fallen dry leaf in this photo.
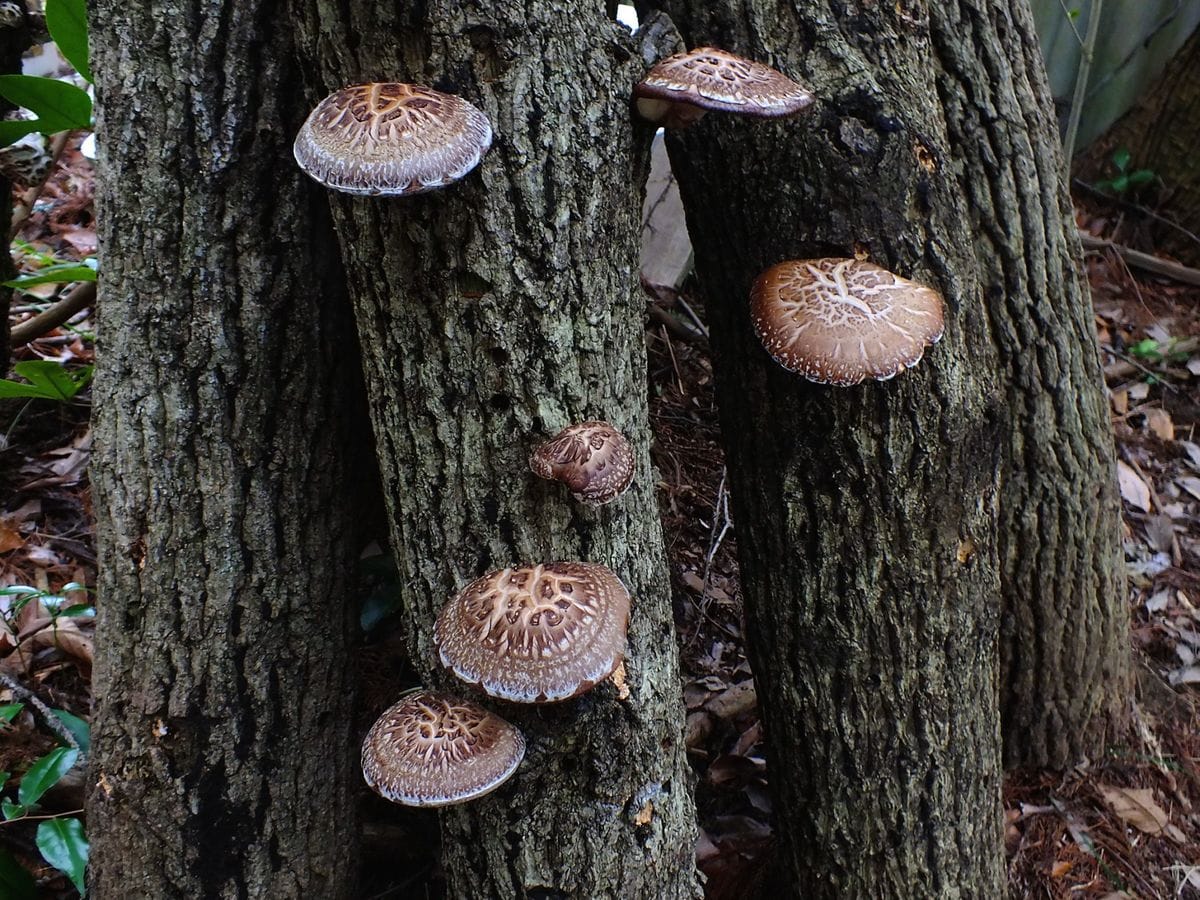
(1136, 806)
(1193, 452)
(1134, 491)
(1159, 422)
(10, 538)
(1188, 675)
(1189, 483)
(1160, 532)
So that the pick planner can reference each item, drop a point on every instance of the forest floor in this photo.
(1126, 825)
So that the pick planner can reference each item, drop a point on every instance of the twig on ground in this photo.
(691, 314)
(672, 324)
(720, 515)
(1145, 261)
(53, 722)
(674, 363)
(1140, 208)
(82, 296)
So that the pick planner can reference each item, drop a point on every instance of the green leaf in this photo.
(16, 590)
(12, 810)
(14, 129)
(45, 773)
(1120, 159)
(9, 711)
(15, 881)
(58, 106)
(64, 846)
(47, 379)
(1140, 177)
(1120, 184)
(62, 272)
(1147, 348)
(4, 779)
(79, 609)
(79, 728)
(66, 20)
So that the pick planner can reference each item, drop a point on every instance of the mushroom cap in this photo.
(840, 321)
(714, 79)
(434, 749)
(391, 139)
(593, 459)
(536, 634)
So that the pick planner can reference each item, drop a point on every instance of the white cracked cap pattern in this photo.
(391, 139)
(593, 459)
(536, 634)
(713, 79)
(841, 321)
(434, 749)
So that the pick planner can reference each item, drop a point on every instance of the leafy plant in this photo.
(47, 380)
(1125, 179)
(57, 105)
(57, 605)
(1153, 351)
(60, 838)
(56, 273)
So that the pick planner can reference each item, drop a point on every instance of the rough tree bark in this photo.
(1064, 636)
(492, 314)
(866, 516)
(1160, 135)
(224, 472)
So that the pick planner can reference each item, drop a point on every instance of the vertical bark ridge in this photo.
(865, 516)
(226, 374)
(492, 314)
(1064, 654)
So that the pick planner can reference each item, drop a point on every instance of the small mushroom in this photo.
(536, 634)
(593, 459)
(391, 139)
(680, 89)
(433, 749)
(840, 321)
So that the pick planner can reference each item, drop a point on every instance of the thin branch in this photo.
(1081, 81)
(1164, 267)
(1071, 21)
(1138, 207)
(81, 297)
(680, 329)
(53, 722)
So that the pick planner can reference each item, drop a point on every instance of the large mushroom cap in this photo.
(432, 749)
(710, 79)
(536, 634)
(391, 139)
(593, 459)
(840, 321)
